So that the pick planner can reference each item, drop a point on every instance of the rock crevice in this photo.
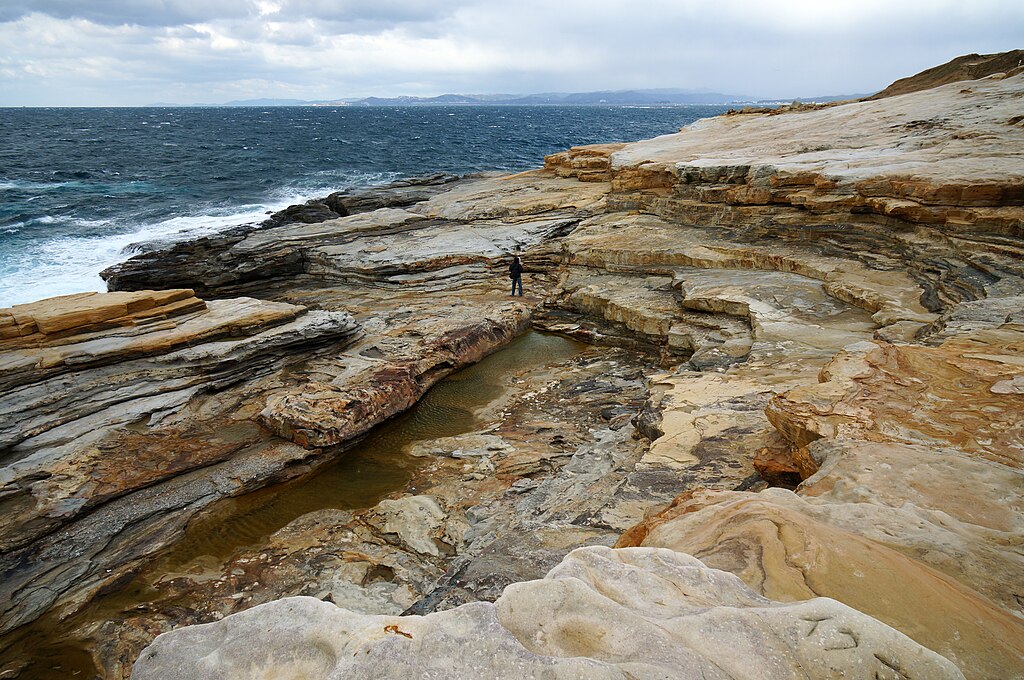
(825, 300)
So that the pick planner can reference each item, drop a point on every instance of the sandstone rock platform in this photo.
(805, 338)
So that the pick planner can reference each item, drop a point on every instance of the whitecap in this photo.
(20, 184)
(71, 264)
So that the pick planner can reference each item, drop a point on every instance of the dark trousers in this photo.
(517, 281)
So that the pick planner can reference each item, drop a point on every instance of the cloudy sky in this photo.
(135, 52)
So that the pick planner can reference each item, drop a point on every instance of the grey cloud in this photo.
(365, 14)
(130, 12)
(387, 12)
(322, 49)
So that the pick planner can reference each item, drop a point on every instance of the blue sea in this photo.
(81, 188)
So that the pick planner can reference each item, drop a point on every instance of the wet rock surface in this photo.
(768, 302)
(397, 194)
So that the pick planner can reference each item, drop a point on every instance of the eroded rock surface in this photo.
(828, 301)
(117, 435)
(549, 470)
(963, 393)
(911, 510)
(82, 380)
(674, 618)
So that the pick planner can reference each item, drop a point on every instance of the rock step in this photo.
(590, 163)
(116, 339)
(940, 158)
(651, 308)
(322, 414)
(84, 312)
(647, 242)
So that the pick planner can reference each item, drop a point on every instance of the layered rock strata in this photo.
(450, 239)
(92, 446)
(932, 551)
(135, 412)
(398, 194)
(828, 301)
(551, 467)
(943, 157)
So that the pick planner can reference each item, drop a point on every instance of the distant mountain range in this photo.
(656, 97)
(605, 98)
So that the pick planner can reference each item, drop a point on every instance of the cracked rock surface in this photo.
(797, 416)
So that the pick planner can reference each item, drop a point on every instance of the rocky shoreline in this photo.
(798, 419)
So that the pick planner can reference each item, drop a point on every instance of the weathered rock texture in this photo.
(910, 454)
(125, 415)
(828, 301)
(84, 465)
(117, 435)
(673, 618)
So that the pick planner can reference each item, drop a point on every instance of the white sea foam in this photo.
(64, 265)
(22, 185)
(94, 186)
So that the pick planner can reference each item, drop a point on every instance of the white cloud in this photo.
(56, 52)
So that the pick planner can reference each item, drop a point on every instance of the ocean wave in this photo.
(82, 222)
(29, 186)
(18, 184)
(320, 183)
(347, 179)
(187, 227)
(73, 222)
(71, 264)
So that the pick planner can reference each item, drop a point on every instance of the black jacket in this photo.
(515, 270)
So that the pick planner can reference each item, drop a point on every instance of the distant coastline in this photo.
(656, 97)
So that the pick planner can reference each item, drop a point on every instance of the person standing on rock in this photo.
(515, 272)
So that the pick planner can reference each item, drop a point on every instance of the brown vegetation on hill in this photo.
(967, 67)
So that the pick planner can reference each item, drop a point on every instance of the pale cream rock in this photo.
(416, 520)
(517, 197)
(961, 515)
(950, 395)
(600, 614)
(940, 156)
(624, 241)
(790, 549)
